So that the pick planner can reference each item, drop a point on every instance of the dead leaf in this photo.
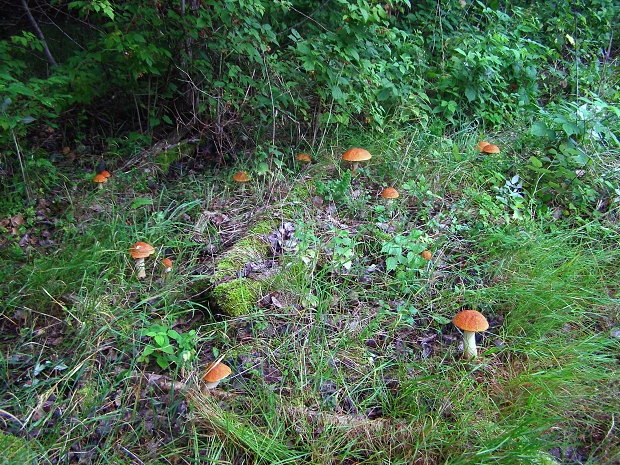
(17, 220)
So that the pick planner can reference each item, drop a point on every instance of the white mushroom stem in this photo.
(469, 344)
(354, 166)
(212, 385)
(140, 267)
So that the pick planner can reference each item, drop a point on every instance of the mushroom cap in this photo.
(356, 154)
(482, 144)
(426, 255)
(141, 250)
(216, 371)
(490, 148)
(389, 193)
(303, 157)
(105, 173)
(241, 176)
(471, 320)
(167, 263)
(100, 178)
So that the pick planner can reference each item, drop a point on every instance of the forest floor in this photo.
(315, 291)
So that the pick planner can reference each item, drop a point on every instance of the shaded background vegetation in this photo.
(241, 74)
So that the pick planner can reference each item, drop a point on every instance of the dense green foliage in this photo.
(260, 65)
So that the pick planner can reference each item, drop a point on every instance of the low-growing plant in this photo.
(404, 251)
(337, 190)
(167, 346)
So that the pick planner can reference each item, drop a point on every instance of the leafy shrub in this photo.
(573, 133)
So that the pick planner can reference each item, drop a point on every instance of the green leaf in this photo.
(570, 129)
(539, 129)
(337, 93)
(163, 363)
(140, 202)
(384, 94)
(536, 162)
(442, 320)
(581, 159)
(470, 93)
(391, 263)
(167, 349)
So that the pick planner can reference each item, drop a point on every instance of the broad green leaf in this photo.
(391, 263)
(470, 93)
(140, 202)
(536, 162)
(539, 129)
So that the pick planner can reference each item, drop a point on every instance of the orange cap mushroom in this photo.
(303, 157)
(389, 193)
(426, 255)
(241, 176)
(139, 251)
(167, 264)
(482, 144)
(100, 179)
(105, 173)
(470, 321)
(354, 156)
(490, 148)
(216, 371)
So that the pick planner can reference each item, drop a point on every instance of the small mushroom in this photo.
(167, 264)
(105, 173)
(216, 371)
(389, 193)
(303, 157)
(426, 255)
(470, 321)
(481, 145)
(139, 251)
(99, 179)
(354, 156)
(490, 148)
(241, 176)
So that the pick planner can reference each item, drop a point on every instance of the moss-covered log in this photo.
(232, 290)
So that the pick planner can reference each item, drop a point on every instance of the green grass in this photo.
(347, 362)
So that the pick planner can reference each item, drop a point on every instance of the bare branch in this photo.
(40, 35)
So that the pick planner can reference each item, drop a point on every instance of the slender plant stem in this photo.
(23, 168)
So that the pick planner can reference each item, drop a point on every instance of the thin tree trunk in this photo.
(39, 33)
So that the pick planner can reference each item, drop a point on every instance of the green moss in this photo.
(236, 297)
(175, 153)
(15, 450)
(253, 247)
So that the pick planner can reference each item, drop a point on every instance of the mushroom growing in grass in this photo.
(481, 145)
(105, 173)
(216, 371)
(303, 158)
(470, 321)
(139, 251)
(490, 148)
(241, 176)
(167, 264)
(354, 156)
(389, 193)
(426, 255)
(99, 179)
